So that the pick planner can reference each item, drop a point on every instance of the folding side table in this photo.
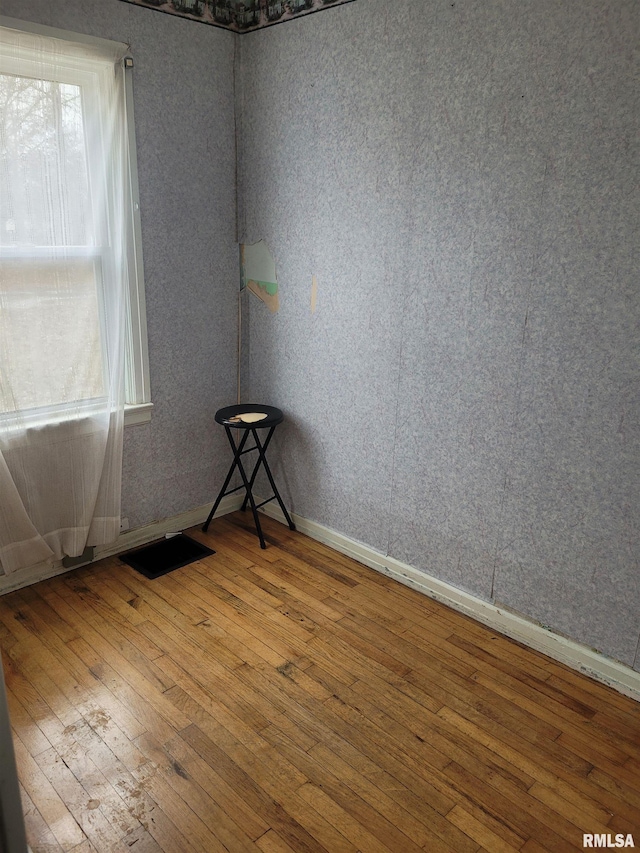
(226, 417)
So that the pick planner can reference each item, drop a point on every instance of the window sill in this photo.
(139, 413)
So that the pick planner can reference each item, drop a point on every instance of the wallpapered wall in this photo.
(462, 179)
(183, 102)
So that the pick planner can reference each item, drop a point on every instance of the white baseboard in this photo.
(575, 655)
(141, 535)
(127, 540)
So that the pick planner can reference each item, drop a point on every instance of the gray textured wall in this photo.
(183, 102)
(463, 180)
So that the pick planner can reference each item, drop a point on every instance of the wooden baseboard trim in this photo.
(575, 655)
(127, 540)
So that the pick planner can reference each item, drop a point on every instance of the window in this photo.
(70, 256)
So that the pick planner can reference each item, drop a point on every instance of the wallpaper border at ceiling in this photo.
(241, 16)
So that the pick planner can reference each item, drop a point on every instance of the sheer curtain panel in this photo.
(64, 232)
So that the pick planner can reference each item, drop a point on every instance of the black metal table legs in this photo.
(247, 483)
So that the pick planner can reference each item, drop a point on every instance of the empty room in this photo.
(319, 426)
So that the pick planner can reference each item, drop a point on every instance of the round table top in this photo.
(274, 416)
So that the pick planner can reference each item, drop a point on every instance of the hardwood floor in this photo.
(294, 700)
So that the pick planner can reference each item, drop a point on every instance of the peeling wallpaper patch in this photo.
(237, 15)
(258, 273)
(265, 292)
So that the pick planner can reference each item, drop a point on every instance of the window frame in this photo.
(137, 383)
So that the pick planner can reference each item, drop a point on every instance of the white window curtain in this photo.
(64, 231)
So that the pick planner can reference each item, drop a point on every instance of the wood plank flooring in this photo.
(293, 700)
